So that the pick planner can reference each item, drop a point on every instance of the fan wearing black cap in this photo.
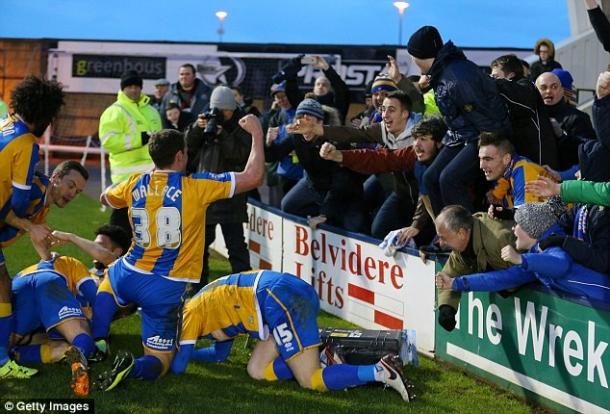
(470, 103)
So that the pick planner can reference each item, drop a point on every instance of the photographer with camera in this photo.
(217, 143)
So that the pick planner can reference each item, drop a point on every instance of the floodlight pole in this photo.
(401, 6)
(221, 15)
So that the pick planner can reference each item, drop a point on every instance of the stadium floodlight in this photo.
(401, 6)
(221, 15)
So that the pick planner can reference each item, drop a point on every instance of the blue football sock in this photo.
(341, 376)
(84, 342)
(281, 369)
(28, 354)
(147, 367)
(366, 373)
(218, 352)
(103, 311)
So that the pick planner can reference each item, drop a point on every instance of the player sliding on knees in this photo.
(280, 310)
(167, 213)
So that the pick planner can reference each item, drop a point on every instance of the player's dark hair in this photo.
(66, 166)
(164, 145)
(497, 140)
(37, 101)
(117, 235)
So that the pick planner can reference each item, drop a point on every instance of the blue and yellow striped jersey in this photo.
(511, 187)
(36, 211)
(78, 278)
(229, 304)
(167, 213)
(18, 158)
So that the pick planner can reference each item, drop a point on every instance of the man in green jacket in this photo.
(476, 242)
(125, 128)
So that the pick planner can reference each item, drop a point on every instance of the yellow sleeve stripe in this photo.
(107, 201)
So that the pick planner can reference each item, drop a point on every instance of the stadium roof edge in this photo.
(236, 46)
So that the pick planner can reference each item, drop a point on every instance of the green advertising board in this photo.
(549, 349)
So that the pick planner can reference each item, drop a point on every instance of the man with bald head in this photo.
(571, 126)
(475, 242)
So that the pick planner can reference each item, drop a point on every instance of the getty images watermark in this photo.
(51, 405)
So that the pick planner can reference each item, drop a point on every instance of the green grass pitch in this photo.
(226, 387)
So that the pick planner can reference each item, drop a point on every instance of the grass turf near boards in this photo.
(226, 387)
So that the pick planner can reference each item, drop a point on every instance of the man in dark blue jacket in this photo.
(587, 225)
(470, 103)
(327, 193)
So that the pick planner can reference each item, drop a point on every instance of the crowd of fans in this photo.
(425, 154)
(459, 162)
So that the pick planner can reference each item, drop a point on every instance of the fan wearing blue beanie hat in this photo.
(310, 107)
(327, 193)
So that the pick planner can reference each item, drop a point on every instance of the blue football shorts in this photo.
(289, 307)
(42, 299)
(161, 301)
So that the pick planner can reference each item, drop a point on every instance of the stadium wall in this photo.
(549, 349)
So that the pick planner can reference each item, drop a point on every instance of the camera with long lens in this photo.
(214, 118)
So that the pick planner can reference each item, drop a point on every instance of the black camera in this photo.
(214, 117)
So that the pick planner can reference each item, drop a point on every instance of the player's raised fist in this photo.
(251, 124)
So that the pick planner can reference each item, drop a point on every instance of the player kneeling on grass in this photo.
(167, 213)
(257, 303)
(44, 298)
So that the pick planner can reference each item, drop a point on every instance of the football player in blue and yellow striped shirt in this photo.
(280, 310)
(67, 181)
(110, 243)
(51, 295)
(36, 103)
(507, 171)
(167, 214)
(56, 296)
